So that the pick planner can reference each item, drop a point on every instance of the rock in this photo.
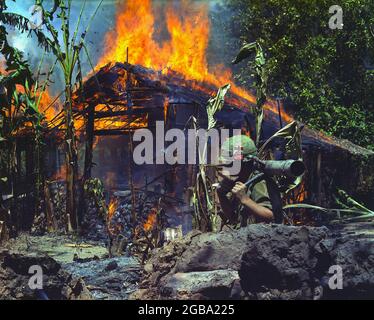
(284, 264)
(57, 284)
(205, 265)
(20, 264)
(355, 256)
(104, 285)
(76, 290)
(262, 262)
(111, 266)
(215, 284)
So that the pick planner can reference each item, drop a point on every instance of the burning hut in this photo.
(174, 85)
(121, 98)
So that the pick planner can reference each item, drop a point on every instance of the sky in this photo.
(33, 53)
(103, 22)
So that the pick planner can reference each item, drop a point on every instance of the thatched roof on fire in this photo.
(147, 90)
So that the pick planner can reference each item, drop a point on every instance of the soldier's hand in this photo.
(226, 184)
(240, 190)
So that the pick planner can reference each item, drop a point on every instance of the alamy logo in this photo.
(36, 280)
(336, 20)
(36, 20)
(336, 280)
(190, 146)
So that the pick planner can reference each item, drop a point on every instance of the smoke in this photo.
(94, 40)
(223, 46)
(220, 49)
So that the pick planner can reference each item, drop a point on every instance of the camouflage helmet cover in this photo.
(237, 143)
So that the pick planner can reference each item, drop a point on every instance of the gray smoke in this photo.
(94, 40)
(221, 50)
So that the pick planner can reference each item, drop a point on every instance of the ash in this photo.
(108, 279)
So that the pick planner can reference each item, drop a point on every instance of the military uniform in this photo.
(258, 192)
(242, 217)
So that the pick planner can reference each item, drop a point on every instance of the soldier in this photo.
(241, 204)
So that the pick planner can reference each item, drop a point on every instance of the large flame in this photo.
(185, 52)
(188, 27)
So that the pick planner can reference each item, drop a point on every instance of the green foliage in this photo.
(216, 104)
(15, 102)
(94, 189)
(291, 134)
(326, 75)
(205, 219)
(258, 65)
(66, 45)
(347, 202)
(349, 209)
(19, 104)
(18, 107)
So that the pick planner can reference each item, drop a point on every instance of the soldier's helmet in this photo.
(237, 148)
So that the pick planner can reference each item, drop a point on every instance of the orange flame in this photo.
(302, 193)
(46, 100)
(2, 67)
(47, 107)
(121, 122)
(151, 221)
(184, 52)
(112, 207)
(113, 228)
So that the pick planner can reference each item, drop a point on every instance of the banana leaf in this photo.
(261, 80)
(351, 203)
(245, 52)
(292, 134)
(367, 216)
(216, 104)
(202, 200)
(362, 214)
(293, 148)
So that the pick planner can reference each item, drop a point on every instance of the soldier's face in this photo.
(242, 176)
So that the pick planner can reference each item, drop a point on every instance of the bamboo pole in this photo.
(51, 219)
(131, 147)
(89, 142)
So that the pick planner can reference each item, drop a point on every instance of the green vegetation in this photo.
(20, 96)
(325, 76)
(66, 44)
